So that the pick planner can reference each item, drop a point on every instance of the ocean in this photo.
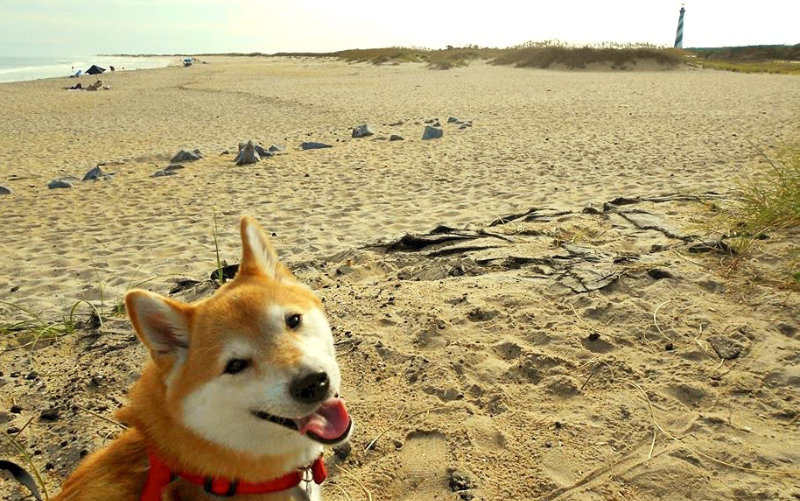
(18, 69)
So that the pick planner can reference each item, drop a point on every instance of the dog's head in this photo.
(253, 367)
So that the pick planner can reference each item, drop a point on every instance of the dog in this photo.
(237, 399)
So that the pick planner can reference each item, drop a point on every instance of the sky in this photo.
(84, 27)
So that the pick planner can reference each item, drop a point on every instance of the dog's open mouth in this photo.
(329, 424)
(288, 423)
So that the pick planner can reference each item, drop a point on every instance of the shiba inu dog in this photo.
(239, 396)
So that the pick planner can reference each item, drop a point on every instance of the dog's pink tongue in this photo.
(329, 422)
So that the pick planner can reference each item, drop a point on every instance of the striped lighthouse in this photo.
(679, 34)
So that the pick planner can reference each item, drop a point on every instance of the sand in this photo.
(532, 351)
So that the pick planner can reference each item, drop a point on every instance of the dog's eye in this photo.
(293, 321)
(236, 365)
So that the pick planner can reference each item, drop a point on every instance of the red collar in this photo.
(160, 475)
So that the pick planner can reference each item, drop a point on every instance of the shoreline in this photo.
(49, 70)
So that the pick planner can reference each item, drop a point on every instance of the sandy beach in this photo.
(529, 348)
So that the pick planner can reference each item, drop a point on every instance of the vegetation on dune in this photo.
(436, 59)
(771, 199)
(529, 55)
(619, 56)
(750, 53)
(442, 59)
(775, 67)
(767, 213)
(784, 59)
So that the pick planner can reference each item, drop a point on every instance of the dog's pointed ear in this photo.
(258, 256)
(160, 323)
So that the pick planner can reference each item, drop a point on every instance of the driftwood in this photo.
(579, 267)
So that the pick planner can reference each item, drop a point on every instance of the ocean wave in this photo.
(17, 69)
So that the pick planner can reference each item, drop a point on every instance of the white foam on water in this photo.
(19, 69)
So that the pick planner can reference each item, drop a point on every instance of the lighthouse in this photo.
(679, 34)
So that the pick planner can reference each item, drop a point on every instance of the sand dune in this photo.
(519, 356)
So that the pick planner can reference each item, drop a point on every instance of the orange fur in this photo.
(118, 472)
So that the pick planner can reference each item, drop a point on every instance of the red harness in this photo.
(160, 476)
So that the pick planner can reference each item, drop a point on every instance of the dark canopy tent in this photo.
(95, 70)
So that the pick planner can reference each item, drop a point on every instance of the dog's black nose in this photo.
(311, 388)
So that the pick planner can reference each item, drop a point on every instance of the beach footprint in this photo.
(424, 461)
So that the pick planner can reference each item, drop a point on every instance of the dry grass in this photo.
(775, 67)
(35, 327)
(18, 448)
(442, 59)
(554, 53)
(768, 214)
(771, 197)
(547, 54)
(784, 59)
(529, 55)
(750, 53)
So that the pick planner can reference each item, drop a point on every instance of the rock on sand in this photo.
(247, 154)
(59, 183)
(432, 133)
(94, 174)
(314, 146)
(363, 130)
(186, 156)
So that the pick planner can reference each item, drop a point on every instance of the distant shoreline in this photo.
(21, 69)
(211, 54)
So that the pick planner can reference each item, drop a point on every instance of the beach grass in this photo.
(782, 59)
(771, 199)
(40, 326)
(528, 55)
(545, 55)
(20, 449)
(443, 59)
(37, 327)
(767, 213)
(215, 234)
(750, 53)
(774, 67)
